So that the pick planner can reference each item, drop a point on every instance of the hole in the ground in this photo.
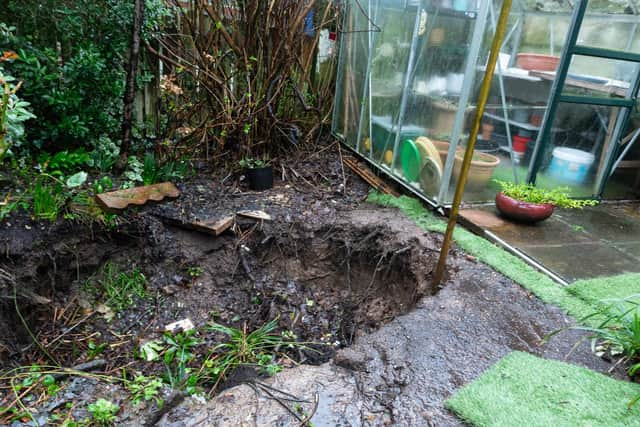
(325, 286)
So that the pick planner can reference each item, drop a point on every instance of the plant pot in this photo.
(260, 178)
(538, 62)
(522, 211)
(520, 143)
(487, 130)
(444, 115)
(481, 170)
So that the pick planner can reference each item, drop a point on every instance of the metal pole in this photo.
(468, 154)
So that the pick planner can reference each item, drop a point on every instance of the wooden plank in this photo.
(369, 177)
(213, 226)
(121, 199)
(259, 215)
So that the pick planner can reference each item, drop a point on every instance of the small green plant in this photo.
(195, 271)
(8, 206)
(252, 163)
(179, 353)
(103, 184)
(616, 332)
(257, 348)
(94, 349)
(119, 289)
(145, 388)
(530, 194)
(103, 412)
(47, 199)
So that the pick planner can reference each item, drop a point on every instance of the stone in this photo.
(115, 201)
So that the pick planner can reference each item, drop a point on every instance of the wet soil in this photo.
(331, 270)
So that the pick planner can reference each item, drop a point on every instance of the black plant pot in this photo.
(260, 178)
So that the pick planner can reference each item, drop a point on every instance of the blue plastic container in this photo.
(570, 165)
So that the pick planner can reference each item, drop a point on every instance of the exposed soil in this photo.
(331, 270)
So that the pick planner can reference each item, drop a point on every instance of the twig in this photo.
(245, 265)
(344, 177)
(307, 419)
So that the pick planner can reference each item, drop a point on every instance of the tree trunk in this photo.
(130, 88)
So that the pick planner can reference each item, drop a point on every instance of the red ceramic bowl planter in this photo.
(523, 211)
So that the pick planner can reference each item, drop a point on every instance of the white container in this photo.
(454, 83)
(570, 164)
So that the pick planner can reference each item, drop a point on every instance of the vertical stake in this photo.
(468, 154)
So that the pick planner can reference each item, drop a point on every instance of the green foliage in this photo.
(103, 184)
(13, 112)
(618, 331)
(72, 56)
(64, 162)
(94, 349)
(256, 348)
(103, 412)
(47, 199)
(8, 207)
(118, 289)
(153, 172)
(105, 154)
(195, 271)
(145, 388)
(177, 356)
(252, 163)
(528, 193)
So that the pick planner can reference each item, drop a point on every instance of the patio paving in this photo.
(574, 244)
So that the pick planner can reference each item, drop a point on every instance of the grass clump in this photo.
(530, 194)
(257, 348)
(116, 288)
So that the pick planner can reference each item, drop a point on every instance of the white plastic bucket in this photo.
(570, 164)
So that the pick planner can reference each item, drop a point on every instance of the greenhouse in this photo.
(561, 110)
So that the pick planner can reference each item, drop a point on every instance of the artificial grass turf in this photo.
(525, 390)
(579, 300)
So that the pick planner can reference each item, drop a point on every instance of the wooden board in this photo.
(366, 174)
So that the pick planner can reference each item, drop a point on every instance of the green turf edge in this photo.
(579, 300)
(556, 394)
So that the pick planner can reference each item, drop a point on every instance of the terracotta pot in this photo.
(481, 169)
(522, 211)
(538, 62)
(487, 130)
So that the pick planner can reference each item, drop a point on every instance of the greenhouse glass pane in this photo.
(599, 77)
(574, 154)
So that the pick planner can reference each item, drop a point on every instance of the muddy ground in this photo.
(351, 279)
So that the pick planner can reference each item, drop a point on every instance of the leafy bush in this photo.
(13, 110)
(528, 193)
(72, 55)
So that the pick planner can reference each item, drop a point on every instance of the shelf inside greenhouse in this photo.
(408, 83)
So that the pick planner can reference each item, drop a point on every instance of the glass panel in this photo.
(351, 79)
(574, 154)
(610, 25)
(391, 51)
(624, 183)
(599, 77)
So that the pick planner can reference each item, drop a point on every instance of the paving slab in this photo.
(575, 244)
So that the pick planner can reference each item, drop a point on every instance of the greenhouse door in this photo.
(564, 157)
